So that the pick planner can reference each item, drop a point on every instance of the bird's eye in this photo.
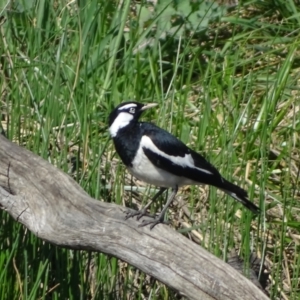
(132, 110)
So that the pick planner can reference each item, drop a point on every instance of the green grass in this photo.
(230, 91)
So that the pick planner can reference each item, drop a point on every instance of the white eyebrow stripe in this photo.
(186, 161)
(127, 106)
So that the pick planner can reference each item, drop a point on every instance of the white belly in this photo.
(144, 170)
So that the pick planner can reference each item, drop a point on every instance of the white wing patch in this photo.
(122, 120)
(186, 161)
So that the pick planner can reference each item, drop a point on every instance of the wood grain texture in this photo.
(56, 209)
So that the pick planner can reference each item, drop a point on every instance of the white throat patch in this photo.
(122, 120)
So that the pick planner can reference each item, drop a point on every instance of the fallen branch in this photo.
(56, 209)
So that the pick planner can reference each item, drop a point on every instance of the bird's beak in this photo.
(149, 105)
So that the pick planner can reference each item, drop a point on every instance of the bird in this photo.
(157, 157)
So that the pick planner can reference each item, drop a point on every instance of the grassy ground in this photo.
(228, 88)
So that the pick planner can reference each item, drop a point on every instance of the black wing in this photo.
(203, 172)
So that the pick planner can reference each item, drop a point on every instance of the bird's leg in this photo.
(143, 212)
(161, 217)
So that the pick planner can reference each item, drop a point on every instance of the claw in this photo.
(153, 222)
(139, 214)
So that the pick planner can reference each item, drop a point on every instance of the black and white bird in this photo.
(155, 156)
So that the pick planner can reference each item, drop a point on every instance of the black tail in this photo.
(239, 194)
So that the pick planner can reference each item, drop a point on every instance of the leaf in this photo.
(145, 15)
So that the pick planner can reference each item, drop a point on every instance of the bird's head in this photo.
(125, 113)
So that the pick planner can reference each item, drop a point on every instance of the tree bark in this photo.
(56, 209)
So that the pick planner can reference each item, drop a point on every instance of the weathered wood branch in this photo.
(55, 208)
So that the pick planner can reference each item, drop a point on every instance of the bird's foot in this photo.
(139, 214)
(159, 220)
